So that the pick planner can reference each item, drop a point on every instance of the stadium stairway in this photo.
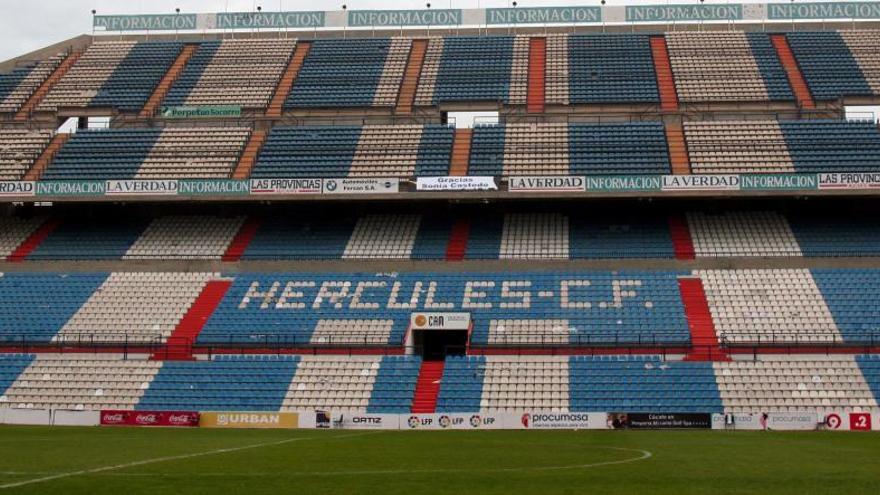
(276, 106)
(704, 340)
(168, 80)
(35, 239)
(46, 157)
(428, 387)
(682, 242)
(537, 72)
(410, 82)
(179, 344)
(795, 78)
(678, 154)
(25, 112)
(249, 156)
(461, 152)
(665, 79)
(458, 240)
(242, 240)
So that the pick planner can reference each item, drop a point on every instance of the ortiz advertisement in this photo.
(149, 418)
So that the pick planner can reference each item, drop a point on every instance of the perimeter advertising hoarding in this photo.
(149, 418)
(252, 420)
(661, 421)
(440, 321)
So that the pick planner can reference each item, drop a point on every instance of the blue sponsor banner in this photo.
(681, 12)
(391, 18)
(277, 20)
(545, 15)
(161, 22)
(823, 10)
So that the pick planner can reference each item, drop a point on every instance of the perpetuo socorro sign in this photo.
(456, 184)
(249, 420)
(440, 321)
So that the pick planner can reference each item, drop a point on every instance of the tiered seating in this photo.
(349, 151)
(185, 237)
(558, 73)
(402, 151)
(768, 307)
(461, 387)
(614, 236)
(836, 234)
(615, 68)
(737, 147)
(383, 237)
(33, 307)
(11, 366)
(642, 384)
(19, 84)
(134, 308)
(635, 148)
(89, 383)
(86, 239)
(832, 146)
(532, 383)
(233, 72)
(466, 69)
(838, 64)
(787, 146)
(350, 73)
(853, 297)
(735, 234)
(170, 153)
(19, 149)
(395, 385)
(519, 71)
(870, 368)
(14, 231)
(227, 383)
(535, 236)
(790, 385)
(575, 149)
(281, 238)
(721, 66)
(113, 74)
(342, 384)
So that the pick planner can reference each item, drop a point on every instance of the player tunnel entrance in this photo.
(437, 335)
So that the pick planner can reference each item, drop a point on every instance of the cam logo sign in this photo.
(440, 321)
(249, 420)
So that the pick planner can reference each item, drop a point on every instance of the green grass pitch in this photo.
(132, 461)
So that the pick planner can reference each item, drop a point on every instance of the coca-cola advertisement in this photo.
(149, 418)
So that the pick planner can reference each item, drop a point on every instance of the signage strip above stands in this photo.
(342, 187)
(636, 14)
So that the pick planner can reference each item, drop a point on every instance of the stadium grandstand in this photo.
(633, 217)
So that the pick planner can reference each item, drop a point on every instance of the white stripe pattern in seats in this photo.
(430, 71)
(135, 307)
(519, 71)
(824, 384)
(81, 383)
(768, 306)
(536, 149)
(387, 151)
(341, 384)
(185, 237)
(14, 231)
(733, 147)
(534, 331)
(535, 236)
(392, 74)
(383, 237)
(557, 72)
(537, 383)
(194, 153)
(735, 234)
